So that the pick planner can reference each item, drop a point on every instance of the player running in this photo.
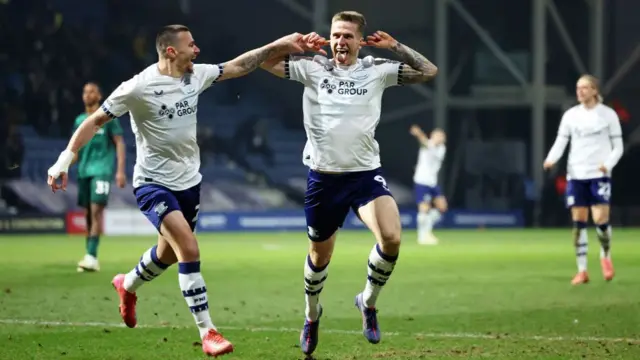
(596, 147)
(428, 193)
(341, 110)
(95, 173)
(163, 103)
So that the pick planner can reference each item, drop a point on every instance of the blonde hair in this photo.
(595, 83)
(352, 17)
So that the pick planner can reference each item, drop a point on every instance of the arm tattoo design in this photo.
(252, 59)
(420, 68)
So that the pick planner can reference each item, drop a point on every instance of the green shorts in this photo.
(94, 190)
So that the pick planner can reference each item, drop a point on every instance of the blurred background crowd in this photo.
(251, 130)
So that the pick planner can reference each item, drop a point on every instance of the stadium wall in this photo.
(132, 222)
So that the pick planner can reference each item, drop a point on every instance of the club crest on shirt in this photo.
(187, 87)
(359, 74)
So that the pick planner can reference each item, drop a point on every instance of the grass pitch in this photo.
(492, 294)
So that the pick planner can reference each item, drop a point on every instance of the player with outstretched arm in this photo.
(163, 101)
(341, 110)
(596, 147)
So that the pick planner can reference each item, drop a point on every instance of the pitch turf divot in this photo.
(335, 331)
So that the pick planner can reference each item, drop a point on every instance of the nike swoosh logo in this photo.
(158, 92)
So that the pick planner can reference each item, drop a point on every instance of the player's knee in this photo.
(443, 207)
(424, 207)
(320, 256)
(189, 251)
(600, 219)
(390, 237)
(321, 252)
(580, 214)
(320, 259)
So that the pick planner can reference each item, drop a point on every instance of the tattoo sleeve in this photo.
(420, 69)
(249, 61)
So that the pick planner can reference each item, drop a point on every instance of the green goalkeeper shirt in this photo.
(97, 158)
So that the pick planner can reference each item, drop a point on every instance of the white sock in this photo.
(378, 272)
(421, 219)
(582, 249)
(146, 270)
(434, 216)
(194, 291)
(605, 241)
(314, 278)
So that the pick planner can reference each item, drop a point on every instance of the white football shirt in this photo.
(163, 119)
(341, 110)
(596, 139)
(429, 162)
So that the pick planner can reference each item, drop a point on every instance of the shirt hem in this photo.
(343, 170)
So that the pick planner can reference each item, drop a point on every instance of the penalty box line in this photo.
(417, 335)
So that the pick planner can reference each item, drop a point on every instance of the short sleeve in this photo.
(114, 127)
(211, 74)
(297, 68)
(119, 102)
(390, 71)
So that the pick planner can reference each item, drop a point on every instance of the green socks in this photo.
(92, 245)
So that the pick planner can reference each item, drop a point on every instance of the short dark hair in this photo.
(352, 17)
(93, 83)
(167, 36)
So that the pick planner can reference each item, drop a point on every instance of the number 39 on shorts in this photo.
(102, 187)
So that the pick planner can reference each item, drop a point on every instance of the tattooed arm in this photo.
(251, 60)
(419, 68)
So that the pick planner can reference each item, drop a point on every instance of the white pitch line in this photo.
(337, 331)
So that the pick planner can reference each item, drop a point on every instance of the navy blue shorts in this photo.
(156, 201)
(590, 192)
(425, 193)
(330, 196)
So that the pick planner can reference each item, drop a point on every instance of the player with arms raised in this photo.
(429, 198)
(95, 173)
(162, 101)
(596, 147)
(341, 109)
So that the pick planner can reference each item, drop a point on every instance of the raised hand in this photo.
(381, 40)
(314, 42)
(415, 130)
(290, 43)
